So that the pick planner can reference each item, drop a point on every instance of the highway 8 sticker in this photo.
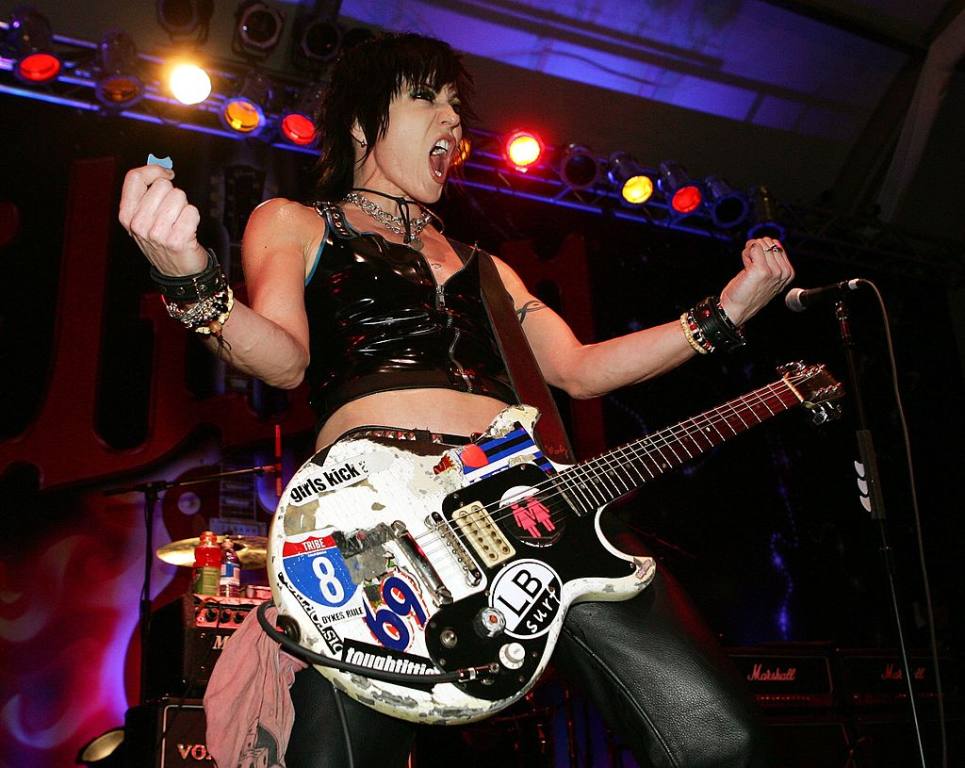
(527, 593)
(315, 568)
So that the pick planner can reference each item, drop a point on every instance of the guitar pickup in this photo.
(483, 534)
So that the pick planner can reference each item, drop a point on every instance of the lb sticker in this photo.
(527, 593)
(315, 568)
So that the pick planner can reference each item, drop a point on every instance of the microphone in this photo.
(799, 299)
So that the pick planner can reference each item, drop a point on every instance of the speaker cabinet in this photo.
(166, 734)
(809, 742)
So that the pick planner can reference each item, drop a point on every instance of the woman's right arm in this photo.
(268, 338)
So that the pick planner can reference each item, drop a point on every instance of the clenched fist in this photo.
(162, 221)
(766, 272)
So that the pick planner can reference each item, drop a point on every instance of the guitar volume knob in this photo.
(512, 655)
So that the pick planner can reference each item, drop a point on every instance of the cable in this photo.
(929, 611)
(295, 649)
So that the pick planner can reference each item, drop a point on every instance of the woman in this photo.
(364, 296)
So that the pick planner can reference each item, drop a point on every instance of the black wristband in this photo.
(196, 287)
(716, 327)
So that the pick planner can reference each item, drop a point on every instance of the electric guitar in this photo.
(467, 558)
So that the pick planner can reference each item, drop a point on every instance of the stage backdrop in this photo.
(101, 391)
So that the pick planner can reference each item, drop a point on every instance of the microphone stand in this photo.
(151, 491)
(870, 496)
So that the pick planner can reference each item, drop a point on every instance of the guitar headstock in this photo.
(817, 388)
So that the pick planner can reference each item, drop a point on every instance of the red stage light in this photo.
(687, 199)
(38, 67)
(298, 129)
(523, 149)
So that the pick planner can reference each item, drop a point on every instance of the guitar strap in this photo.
(524, 372)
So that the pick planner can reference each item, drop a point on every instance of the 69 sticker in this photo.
(316, 569)
(399, 608)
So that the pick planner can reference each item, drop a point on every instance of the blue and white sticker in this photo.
(315, 568)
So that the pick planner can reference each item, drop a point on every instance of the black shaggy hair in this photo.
(363, 82)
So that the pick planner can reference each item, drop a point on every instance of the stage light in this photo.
(683, 193)
(635, 186)
(578, 167)
(298, 124)
(30, 40)
(104, 751)
(189, 83)
(764, 215)
(728, 207)
(258, 29)
(316, 44)
(522, 149)
(245, 112)
(118, 84)
(180, 18)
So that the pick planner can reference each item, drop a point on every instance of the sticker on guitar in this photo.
(315, 567)
(527, 593)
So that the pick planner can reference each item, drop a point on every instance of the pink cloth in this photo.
(247, 703)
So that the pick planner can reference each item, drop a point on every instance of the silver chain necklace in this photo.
(392, 223)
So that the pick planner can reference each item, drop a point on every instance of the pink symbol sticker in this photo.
(530, 514)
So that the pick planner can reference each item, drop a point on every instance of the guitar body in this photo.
(419, 561)
(425, 563)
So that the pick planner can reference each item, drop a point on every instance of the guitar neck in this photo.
(600, 480)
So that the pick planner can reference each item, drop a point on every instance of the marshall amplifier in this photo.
(186, 639)
(786, 677)
(876, 678)
(166, 734)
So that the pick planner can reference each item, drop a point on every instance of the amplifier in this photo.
(786, 677)
(186, 639)
(166, 734)
(876, 678)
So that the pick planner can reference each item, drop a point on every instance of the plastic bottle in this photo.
(229, 584)
(207, 564)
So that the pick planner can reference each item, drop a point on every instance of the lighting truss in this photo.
(812, 233)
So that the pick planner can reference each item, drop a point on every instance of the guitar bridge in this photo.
(483, 534)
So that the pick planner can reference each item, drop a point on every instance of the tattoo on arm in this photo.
(530, 306)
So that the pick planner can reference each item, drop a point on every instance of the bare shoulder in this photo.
(280, 217)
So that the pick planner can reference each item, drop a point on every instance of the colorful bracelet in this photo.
(688, 325)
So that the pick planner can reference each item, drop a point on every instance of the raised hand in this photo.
(767, 270)
(162, 221)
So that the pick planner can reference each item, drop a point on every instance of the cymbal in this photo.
(252, 551)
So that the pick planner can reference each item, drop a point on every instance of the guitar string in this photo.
(640, 452)
(594, 494)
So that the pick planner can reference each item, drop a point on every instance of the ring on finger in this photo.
(774, 248)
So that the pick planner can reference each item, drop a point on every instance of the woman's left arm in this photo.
(590, 370)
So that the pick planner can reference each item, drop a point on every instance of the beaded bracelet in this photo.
(196, 287)
(689, 326)
(207, 316)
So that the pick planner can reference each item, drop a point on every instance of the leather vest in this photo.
(378, 322)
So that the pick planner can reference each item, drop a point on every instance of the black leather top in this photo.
(379, 322)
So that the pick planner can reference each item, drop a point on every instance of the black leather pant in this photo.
(648, 664)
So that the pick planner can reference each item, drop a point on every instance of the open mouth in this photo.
(439, 157)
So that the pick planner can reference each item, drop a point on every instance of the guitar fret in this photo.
(587, 508)
(606, 477)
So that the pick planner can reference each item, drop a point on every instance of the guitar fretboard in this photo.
(598, 481)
